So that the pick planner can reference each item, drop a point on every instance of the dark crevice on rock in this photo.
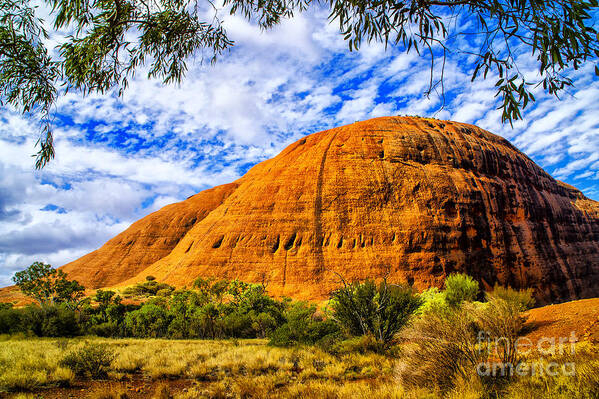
(289, 244)
(218, 242)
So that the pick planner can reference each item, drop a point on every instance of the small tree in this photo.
(365, 308)
(48, 285)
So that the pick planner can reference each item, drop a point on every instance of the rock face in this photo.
(411, 198)
(146, 241)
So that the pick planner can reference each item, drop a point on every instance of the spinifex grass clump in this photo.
(92, 360)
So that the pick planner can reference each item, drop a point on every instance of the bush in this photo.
(381, 311)
(302, 326)
(445, 348)
(47, 321)
(89, 361)
(363, 344)
(148, 321)
(441, 350)
(433, 300)
(460, 288)
(10, 321)
(239, 324)
(522, 299)
(148, 288)
(106, 329)
(59, 321)
(165, 292)
(501, 321)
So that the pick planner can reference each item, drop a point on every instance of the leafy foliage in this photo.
(454, 334)
(48, 285)
(27, 72)
(522, 299)
(46, 321)
(303, 326)
(460, 288)
(365, 308)
(363, 317)
(112, 40)
(149, 321)
(148, 288)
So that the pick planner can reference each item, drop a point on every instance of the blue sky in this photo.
(119, 159)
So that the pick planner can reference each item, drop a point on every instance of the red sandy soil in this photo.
(560, 320)
(136, 389)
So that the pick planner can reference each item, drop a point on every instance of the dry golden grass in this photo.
(252, 369)
(27, 365)
(249, 367)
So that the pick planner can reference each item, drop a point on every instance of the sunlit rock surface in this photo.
(411, 198)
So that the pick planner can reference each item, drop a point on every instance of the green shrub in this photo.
(147, 288)
(460, 288)
(362, 344)
(165, 292)
(59, 321)
(10, 321)
(46, 321)
(381, 311)
(522, 299)
(91, 360)
(149, 321)
(106, 329)
(302, 326)
(238, 324)
(433, 300)
(445, 349)
(264, 324)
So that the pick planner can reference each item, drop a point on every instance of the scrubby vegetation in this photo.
(370, 339)
(215, 309)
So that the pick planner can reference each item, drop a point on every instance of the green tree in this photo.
(48, 285)
(379, 310)
(112, 40)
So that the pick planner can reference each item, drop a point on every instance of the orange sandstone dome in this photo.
(415, 199)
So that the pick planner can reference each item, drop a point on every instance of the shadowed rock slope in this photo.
(411, 198)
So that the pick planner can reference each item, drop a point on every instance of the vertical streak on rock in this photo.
(285, 270)
(318, 236)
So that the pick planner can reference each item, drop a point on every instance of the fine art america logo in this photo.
(507, 357)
